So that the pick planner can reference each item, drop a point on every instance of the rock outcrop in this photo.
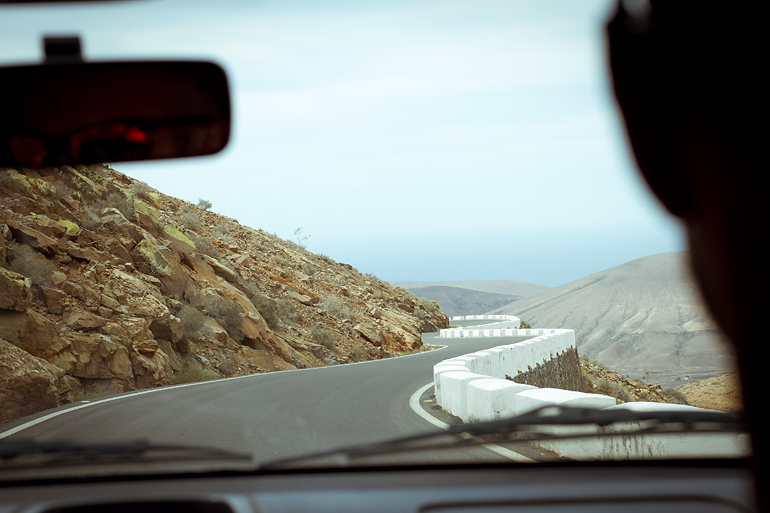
(107, 285)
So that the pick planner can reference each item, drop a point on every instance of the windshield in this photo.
(427, 215)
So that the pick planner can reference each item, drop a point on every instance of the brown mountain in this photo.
(642, 318)
(107, 285)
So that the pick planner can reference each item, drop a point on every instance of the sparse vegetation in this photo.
(326, 258)
(25, 260)
(323, 337)
(140, 189)
(193, 374)
(674, 396)
(267, 307)
(192, 320)
(190, 220)
(228, 314)
(278, 259)
(203, 204)
(612, 389)
(205, 247)
(432, 307)
(337, 308)
(301, 238)
(118, 201)
(88, 396)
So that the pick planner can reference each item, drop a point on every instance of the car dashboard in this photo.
(706, 486)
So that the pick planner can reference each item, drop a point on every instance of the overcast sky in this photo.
(416, 140)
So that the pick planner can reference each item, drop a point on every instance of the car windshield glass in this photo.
(427, 216)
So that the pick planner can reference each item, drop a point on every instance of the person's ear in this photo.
(650, 112)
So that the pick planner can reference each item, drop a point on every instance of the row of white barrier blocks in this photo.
(502, 324)
(474, 387)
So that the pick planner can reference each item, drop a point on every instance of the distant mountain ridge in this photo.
(644, 316)
(509, 287)
(471, 297)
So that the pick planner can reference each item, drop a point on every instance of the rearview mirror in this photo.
(94, 112)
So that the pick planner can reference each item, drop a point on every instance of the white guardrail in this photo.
(474, 388)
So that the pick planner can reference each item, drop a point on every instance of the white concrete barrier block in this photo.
(441, 368)
(490, 399)
(532, 399)
(454, 390)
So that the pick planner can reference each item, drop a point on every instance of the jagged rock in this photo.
(219, 269)
(105, 312)
(29, 384)
(88, 254)
(305, 300)
(146, 347)
(160, 262)
(48, 226)
(55, 300)
(177, 241)
(213, 329)
(72, 229)
(31, 332)
(176, 362)
(368, 333)
(71, 203)
(58, 278)
(15, 291)
(33, 238)
(168, 328)
(80, 320)
(99, 356)
(117, 249)
(3, 227)
(405, 307)
(110, 302)
(119, 226)
(254, 330)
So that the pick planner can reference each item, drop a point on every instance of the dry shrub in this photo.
(228, 314)
(673, 395)
(192, 374)
(25, 260)
(432, 307)
(205, 247)
(323, 337)
(337, 308)
(140, 189)
(192, 320)
(612, 389)
(190, 221)
(119, 201)
(267, 307)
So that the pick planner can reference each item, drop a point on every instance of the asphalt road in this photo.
(272, 415)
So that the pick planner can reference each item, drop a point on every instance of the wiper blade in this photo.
(23, 453)
(525, 428)
(572, 415)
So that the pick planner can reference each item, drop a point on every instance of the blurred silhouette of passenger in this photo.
(687, 79)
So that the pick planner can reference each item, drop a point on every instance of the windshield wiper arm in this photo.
(15, 453)
(460, 435)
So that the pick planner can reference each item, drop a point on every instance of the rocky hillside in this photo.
(718, 392)
(597, 379)
(107, 285)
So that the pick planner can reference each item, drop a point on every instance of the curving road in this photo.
(272, 415)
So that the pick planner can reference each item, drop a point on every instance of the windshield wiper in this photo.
(26, 453)
(528, 428)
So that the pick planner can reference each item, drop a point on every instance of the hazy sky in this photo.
(416, 140)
